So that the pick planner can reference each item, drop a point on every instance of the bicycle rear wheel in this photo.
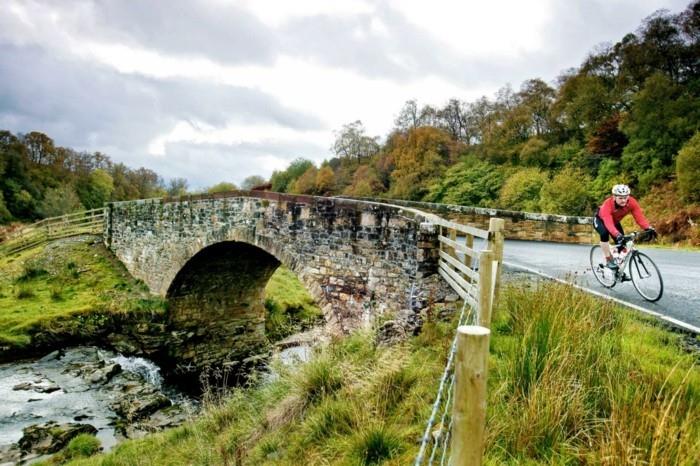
(646, 277)
(603, 274)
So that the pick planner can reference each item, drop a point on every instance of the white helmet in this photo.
(621, 190)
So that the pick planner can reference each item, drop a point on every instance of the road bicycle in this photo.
(631, 265)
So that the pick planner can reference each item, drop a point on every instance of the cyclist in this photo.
(609, 215)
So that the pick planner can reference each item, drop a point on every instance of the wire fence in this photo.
(475, 276)
(436, 435)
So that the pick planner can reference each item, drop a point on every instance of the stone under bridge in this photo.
(211, 257)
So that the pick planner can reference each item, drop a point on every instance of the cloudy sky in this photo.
(218, 90)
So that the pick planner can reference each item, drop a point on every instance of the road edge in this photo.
(670, 320)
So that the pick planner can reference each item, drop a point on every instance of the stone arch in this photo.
(216, 309)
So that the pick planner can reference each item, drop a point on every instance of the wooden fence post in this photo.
(469, 242)
(469, 408)
(486, 264)
(496, 232)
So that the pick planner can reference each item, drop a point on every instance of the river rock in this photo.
(37, 387)
(141, 404)
(51, 437)
(390, 333)
(105, 374)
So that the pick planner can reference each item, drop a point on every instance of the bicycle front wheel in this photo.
(603, 274)
(646, 277)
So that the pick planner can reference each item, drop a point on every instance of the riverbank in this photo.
(49, 401)
(572, 380)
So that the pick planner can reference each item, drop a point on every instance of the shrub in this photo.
(25, 292)
(31, 272)
(318, 378)
(522, 190)
(567, 193)
(374, 445)
(688, 169)
(82, 445)
(534, 153)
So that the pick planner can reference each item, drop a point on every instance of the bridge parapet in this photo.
(518, 225)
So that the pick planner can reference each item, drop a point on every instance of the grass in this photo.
(290, 307)
(572, 380)
(66, 287)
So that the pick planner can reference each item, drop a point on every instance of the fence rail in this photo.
(49, 229)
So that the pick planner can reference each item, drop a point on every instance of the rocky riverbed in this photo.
(84, 389)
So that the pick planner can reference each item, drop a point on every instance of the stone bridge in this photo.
(211, 257)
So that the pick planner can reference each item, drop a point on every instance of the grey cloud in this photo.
(208, 164)
(185, 27)
(86, 105)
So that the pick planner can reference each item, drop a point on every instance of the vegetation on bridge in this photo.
(572, 380)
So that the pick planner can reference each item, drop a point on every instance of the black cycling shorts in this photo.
(602, 231)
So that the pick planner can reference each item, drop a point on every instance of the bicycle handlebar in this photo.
(640, 236)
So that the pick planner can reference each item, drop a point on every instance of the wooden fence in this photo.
(478, 288)
(49, 229)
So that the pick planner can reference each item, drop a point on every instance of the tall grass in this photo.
(571, 388)
(572, 380)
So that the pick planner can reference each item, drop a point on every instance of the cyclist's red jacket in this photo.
(612, 214)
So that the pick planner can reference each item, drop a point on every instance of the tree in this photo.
(688, 169)
(454, 118)
(534, 153)
(607, 139)
(5, 215)
(222, 188)
(39, 146)
(521, 191)
(306, 183)
(95, 189)
(351, 143)
(176, 187)
(59, 201)
(537, 98)
(420, 156)
(325, 181)
(471, 183)
(663, 117)
(408, 117)
(252, 182)
(282, 180)
(567, 193)
(365, 183)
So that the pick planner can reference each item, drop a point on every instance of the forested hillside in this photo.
(629, 114)
(39, 179)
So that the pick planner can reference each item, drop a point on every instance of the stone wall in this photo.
(518, 225)
(212, 256)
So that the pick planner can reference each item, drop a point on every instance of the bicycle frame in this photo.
(628, 247)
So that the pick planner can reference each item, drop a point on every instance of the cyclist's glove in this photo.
(619, 238)
(650, 233)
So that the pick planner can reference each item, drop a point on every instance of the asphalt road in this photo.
(680, 271)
